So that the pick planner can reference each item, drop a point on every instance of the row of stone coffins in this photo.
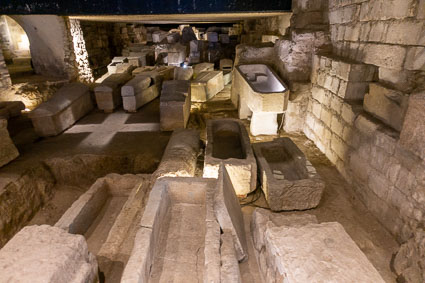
(288, 179)
(191, 229)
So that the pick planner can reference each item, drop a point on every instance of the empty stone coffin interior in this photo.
(295, 248)
(262, 95)
(289, 181)
(179, 235)
(105, 215)
(68, 105)
(228, 143)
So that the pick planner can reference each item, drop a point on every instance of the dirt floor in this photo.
(115, 134)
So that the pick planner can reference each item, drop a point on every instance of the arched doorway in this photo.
(15, 46)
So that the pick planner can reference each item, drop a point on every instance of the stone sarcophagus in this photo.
(138, 91)
(228, 143)
(261, 93)
(67, 106)
(174, 105)
(106, 214)
(288, 179)
(179, 236)
(108, 93)
(206, 85)
(296, 248)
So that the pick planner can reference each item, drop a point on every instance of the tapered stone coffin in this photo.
(288, 179)
(174, 105)
(68, 105)
(206, 85)
(138, 91)
(179, 236)
(228, 143)
(108, 93)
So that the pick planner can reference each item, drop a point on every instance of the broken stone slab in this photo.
(228, 143)
(183, 73)
(138, 91)
(412, 136)
(70, 103)
(174, 105)
(180, 155)
(315, 253)
(229, 271)
(298, 187)
(108, 93)
(47, 254)
(185, 207)
(262, 219)
(386, 104)
(227, 77)
(10, 109)
(206, 85)
(8, 151)
(229, 214)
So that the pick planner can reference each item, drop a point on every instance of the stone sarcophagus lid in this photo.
(67, 106)
(206, 85)
(174, 105)
(288, 179)
(261, 93)
(228, 143)
(47, 254)
(138, 91)
(108, 93)
(296, 248)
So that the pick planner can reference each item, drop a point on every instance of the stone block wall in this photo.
(387, 34)
(98, 38)
(5, 80)
(85, 73)
(386, 171)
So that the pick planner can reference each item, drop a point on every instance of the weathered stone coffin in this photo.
(10, 109)
(179, 236)
(113, 203)
(174, 105)
(180, 155)
(206, 85)
(47, 254)
(68, 105)
(108, 93)
(138, 91)
(8, 151)
(228, 143)
(260, 90)
(288, 179)
(295, 248)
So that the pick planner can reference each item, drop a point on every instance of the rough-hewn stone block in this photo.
(415, 59)
(8, 151)
(384, 55)
(47, 254)
(386, 104)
